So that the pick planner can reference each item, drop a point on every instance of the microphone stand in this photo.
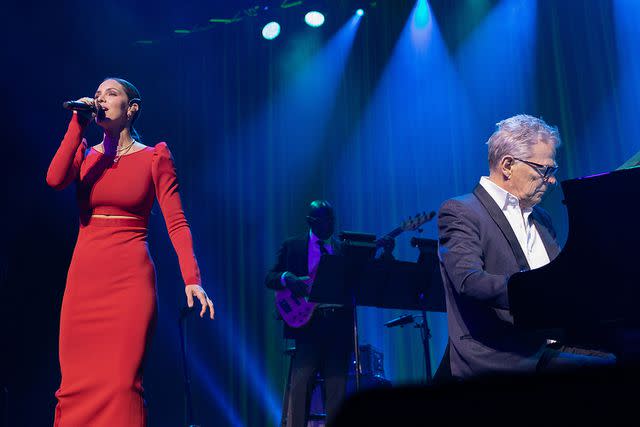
(422, 244)
(356, 342)
(425, 334)
(188, 407)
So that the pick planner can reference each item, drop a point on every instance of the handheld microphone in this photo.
(400, 321)
(79, 106)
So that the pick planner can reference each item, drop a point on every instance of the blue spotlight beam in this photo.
(627, 34)
(254, 373)
(291, 126)
(200, 373)
(612, 135)
(249, 369)
(287, 132)
(417, 116)
(214, 388)
(496, 63)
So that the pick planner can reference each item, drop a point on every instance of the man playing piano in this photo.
(485, 237)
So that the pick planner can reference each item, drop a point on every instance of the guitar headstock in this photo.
(411, 224)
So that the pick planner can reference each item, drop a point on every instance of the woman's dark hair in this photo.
(134, 98)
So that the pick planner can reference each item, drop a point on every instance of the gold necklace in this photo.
(123, 151)
(118, 150)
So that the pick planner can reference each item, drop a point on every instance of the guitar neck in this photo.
(391, 235)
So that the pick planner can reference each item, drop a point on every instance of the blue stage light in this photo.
(271, 30)
(314, 19)
(359, 12)
(421, 14)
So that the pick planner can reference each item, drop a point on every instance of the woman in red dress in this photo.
(109, 304)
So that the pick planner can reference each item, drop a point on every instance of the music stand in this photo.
(335, 282)
(355, 279)
(428, 258)
(379, 283)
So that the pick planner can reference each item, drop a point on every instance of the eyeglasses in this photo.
(546, 172)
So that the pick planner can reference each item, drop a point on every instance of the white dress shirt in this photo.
(521, 223)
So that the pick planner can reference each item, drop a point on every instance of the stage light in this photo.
(314, 19)
(421, 14)
(359, 12)
(271, 30)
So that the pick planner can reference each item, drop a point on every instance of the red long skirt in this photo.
(108, 314)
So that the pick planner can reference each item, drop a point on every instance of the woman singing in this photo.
(109, 304)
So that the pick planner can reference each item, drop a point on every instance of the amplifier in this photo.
(371, 361)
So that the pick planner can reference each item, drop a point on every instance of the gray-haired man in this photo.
(484, 238)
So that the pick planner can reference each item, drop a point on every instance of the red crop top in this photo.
(127, 187)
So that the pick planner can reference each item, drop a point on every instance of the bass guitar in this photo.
(297, 311)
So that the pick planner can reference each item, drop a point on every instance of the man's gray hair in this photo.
(517, 135)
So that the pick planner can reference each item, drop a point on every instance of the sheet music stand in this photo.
(430, 262)
(338, 280)
(379, 283)
(354, 279)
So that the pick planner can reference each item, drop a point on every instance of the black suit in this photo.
(478, 253)
(324, 344)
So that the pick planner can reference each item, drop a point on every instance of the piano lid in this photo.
(595, 280)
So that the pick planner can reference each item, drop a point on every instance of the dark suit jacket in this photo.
(293, 256)
(478, 253)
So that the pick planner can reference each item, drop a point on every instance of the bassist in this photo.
(323, 344)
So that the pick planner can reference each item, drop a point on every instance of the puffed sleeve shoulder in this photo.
(163, 167)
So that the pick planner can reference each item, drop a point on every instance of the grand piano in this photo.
(591, 290)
